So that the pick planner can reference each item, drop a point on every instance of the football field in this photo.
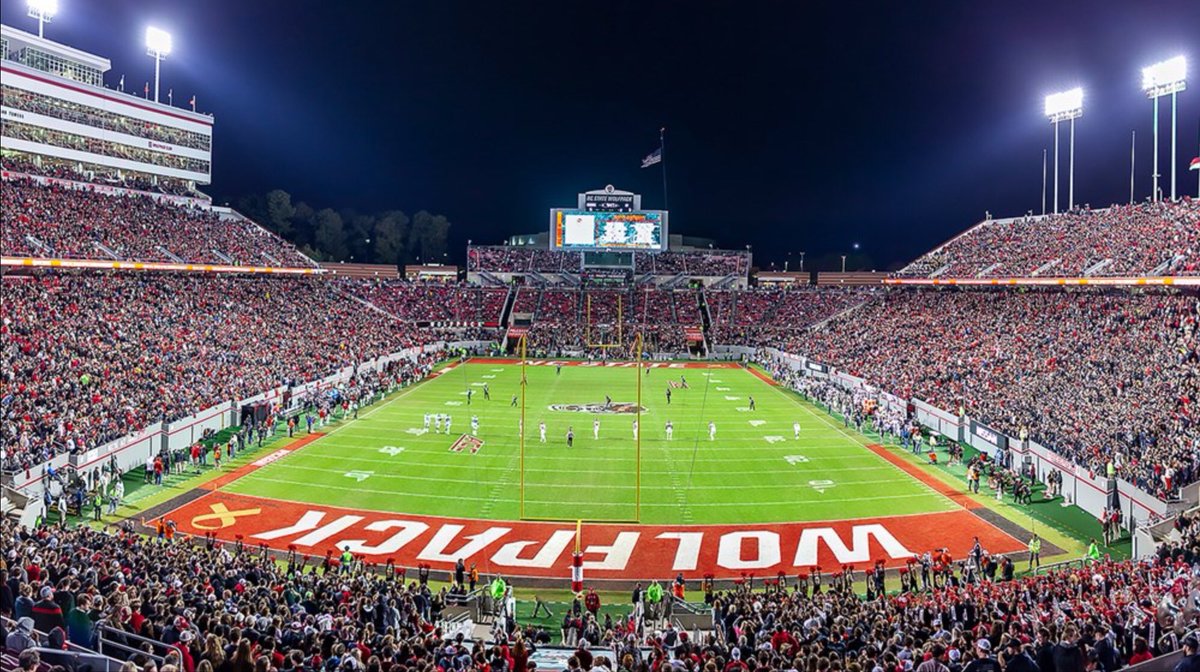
(755, 469)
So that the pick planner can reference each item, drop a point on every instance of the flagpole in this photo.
(662, 150)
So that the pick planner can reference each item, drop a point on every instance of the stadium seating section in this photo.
(59, 222)
(768, 317)
(90, 358)
(714, 263)
(1089, 374)
(1126, 240)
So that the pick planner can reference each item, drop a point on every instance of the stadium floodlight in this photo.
(158, 45)
(1168, 77)
(43, 11)
(1065, 106)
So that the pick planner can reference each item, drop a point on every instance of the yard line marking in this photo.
(790, 500)
(630, 471)
(795, 400)
(362, 475)
(345, 423)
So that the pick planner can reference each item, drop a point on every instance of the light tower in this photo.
(43, 11)
(1065, 106)
(1160, 79)
(158, 45)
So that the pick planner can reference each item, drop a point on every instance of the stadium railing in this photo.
(114, 643)
(72, 656)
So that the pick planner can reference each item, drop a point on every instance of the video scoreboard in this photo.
(584, 230)
(608, 219)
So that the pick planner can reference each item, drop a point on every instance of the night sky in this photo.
(790, 125)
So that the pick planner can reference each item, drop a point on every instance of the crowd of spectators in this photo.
(575, 320)
(90, 358)
(1098, 377)
(1138, 239)
(520, 259)
(223, 608)
(46, 166)
(771, 316)
(712, 263)
(69, 223)
(216, 607)
(435, 301)
(1097, 618)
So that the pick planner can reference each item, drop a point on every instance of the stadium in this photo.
(262, 436)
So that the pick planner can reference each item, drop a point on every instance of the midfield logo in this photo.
(614, 407)
(467, 441)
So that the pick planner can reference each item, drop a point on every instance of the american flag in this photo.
(652, 158)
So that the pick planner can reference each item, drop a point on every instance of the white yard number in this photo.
(359, 476)
(821, 486)
(392, 450)
(796, 459)
(774, 439)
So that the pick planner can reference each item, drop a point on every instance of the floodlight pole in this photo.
(157, 63)
(1174, 95)
(1071, 171)
(1056, 167)
(1154, 188)
(41, 24)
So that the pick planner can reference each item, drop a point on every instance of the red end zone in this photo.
(611, 551)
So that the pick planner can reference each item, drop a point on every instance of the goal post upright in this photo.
(637, 485)
(522, 347)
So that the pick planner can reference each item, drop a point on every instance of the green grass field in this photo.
(755, 470)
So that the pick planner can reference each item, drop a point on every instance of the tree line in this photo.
(388, 237)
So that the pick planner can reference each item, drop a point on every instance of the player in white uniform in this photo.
(596, 428)
(437, 423)
(712, 431)
(542, 430)
(427, 422)
(635, 430)
(475, 425)
(447, 423)
(670, 430)
(796, 429)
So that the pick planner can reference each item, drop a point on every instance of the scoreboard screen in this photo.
(580, 229)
